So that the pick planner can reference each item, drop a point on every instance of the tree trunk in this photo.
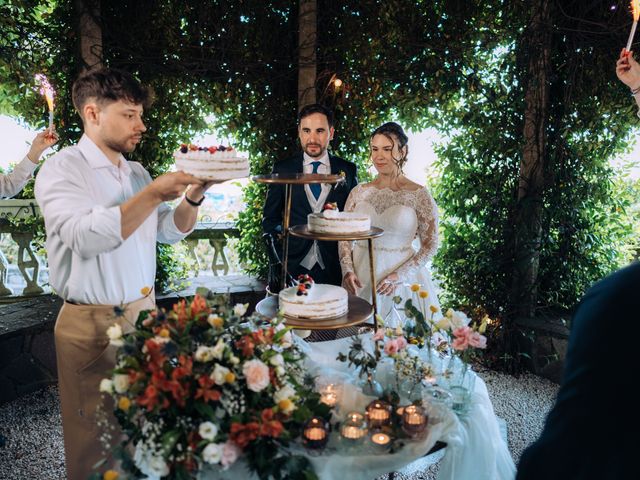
(528, 230)
(307, 62)
(90, 33)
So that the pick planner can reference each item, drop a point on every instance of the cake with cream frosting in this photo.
(211, 163)
(332, 221)
(314, 301)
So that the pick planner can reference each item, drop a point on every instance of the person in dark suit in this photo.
(318, 259)
(591, 432)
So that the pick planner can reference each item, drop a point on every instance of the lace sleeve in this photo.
(345, 248)
(427, 213)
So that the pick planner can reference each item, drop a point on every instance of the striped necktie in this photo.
(316, 188)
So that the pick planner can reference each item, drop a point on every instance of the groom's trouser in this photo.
(84, 358)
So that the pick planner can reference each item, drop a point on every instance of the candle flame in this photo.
(635, 9)
(46, 89)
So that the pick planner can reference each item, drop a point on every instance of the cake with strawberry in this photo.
(331, 220)
(313, 301)
(211, 163)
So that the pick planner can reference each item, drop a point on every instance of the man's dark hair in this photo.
(315, 108)
(107, 85)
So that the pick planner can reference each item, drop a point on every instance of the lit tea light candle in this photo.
(329, 395)
(354, 427)
(381, 440)
(315, 434)
(379, 413)
(414, 420)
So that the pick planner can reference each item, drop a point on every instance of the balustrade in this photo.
(31, 268)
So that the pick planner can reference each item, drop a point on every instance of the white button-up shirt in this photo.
(313, 255)
(12, 183)
(79, 192)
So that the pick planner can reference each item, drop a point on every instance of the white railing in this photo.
(24, 273)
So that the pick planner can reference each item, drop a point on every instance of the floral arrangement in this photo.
(201, 386)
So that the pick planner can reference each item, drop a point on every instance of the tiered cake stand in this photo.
(359, 309)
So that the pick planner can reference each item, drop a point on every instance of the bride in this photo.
(405, 211)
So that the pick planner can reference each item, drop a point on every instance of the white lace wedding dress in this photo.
(409, 219)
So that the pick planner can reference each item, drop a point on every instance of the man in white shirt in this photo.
(14, 182)
(103, 215)
(318, 259)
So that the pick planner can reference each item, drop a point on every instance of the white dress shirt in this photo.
(79, 192)
(313, 255)
(13, 182)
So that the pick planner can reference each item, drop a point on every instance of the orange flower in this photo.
(145, 291)
(230, 377)
(433, 308)
(110, 475)
(270, 427)
(415, 287)
(242, 435)
(198, 305)
(246, 345)
(423, 294)
(206, 391)
(124, 404)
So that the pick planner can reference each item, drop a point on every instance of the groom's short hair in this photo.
(315, 108)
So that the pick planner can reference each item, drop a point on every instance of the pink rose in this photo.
(257, 375)
(391, 347)
(379, 335)
(477, 340)
(402, 343)
(230, 453)
(461, 340)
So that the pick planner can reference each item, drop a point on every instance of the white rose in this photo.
(277, 360)
(280, 370)
(157, 466)
(218, 351)
(114, 332)
(458, 319)
(287, 339)
(444, 323)
(219, 373)
(204, 354)
(284, 393)
(208, 430)
(121, 382)
(240, 309)
(106, 385)
(234, 360)
(212, 453)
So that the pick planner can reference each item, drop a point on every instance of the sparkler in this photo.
(49, 93)
(635, 11)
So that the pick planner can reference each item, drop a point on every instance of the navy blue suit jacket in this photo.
(591, 432)
(300, 208)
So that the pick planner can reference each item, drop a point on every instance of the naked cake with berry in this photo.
(331, 220)
(314, 301)
(211, 163)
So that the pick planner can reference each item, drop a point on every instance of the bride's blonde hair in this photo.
(394, 132)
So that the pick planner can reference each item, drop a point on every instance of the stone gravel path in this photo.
(31, 445)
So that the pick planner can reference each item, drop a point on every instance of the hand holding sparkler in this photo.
(40, 143)
(628, 70)
(49, 93)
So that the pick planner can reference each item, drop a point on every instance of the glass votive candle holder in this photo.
(380, 440)
(315, 434)
(379, 413)
(330, 392)
(354, 428)
(414, 421)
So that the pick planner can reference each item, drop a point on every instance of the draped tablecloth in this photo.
(475, 448)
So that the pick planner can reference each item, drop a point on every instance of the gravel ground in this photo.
(31, 445)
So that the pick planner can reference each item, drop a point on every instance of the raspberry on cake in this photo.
(211, 163)
(313, 300)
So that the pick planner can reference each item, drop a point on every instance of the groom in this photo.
(316, 258)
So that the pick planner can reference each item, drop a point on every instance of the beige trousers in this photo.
(84, 358)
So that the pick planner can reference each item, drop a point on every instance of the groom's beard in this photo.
(318, 152)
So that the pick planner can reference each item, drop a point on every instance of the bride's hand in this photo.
(388, 285)
(351, 283)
